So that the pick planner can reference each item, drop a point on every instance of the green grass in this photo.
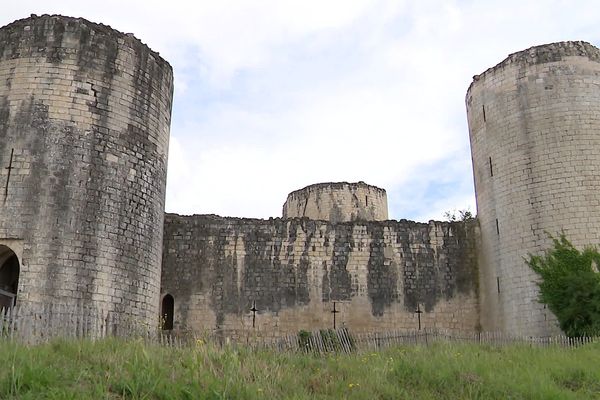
(113, 369)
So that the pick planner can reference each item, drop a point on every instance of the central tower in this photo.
(338, 202)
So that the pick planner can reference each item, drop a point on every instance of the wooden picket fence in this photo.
(37, 323)
(430, 336)
(34, 323)
(342, 340)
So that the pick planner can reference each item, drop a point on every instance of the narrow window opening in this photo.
(491, 168)
(497, 227)
(9, 169)
(483, 109)
(366, 201)
(167, 309)
(498, 283)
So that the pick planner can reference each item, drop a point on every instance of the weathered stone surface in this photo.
(338, 202)
(85, 112)
(376, 272)
(84, 129)
(533, 123)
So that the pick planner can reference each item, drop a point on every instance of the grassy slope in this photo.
(113, 369)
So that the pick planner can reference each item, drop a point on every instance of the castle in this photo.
(84, 129)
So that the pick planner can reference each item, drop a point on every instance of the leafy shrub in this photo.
(304, 340)
(570, 286)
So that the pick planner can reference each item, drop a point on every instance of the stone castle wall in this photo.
(378, 273)
(533, 123)
(84, 125)
(338, 202)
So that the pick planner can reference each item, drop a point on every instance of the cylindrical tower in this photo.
(533, 125)
(338, 202)
(84, 130)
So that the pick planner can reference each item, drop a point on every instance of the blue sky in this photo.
(274, 95)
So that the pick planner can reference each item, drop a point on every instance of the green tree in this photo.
(570, 286)
(458, 215)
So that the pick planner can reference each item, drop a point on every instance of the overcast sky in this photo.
(274, 95)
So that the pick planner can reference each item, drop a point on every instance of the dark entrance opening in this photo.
(167, 309)
(9, 277)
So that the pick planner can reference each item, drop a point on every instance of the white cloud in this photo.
(273, 95)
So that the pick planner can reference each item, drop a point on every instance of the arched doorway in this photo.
(167, 309)
(9, 277)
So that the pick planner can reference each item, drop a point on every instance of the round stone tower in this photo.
(338, 202)
(533, 125)
(84, 130)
